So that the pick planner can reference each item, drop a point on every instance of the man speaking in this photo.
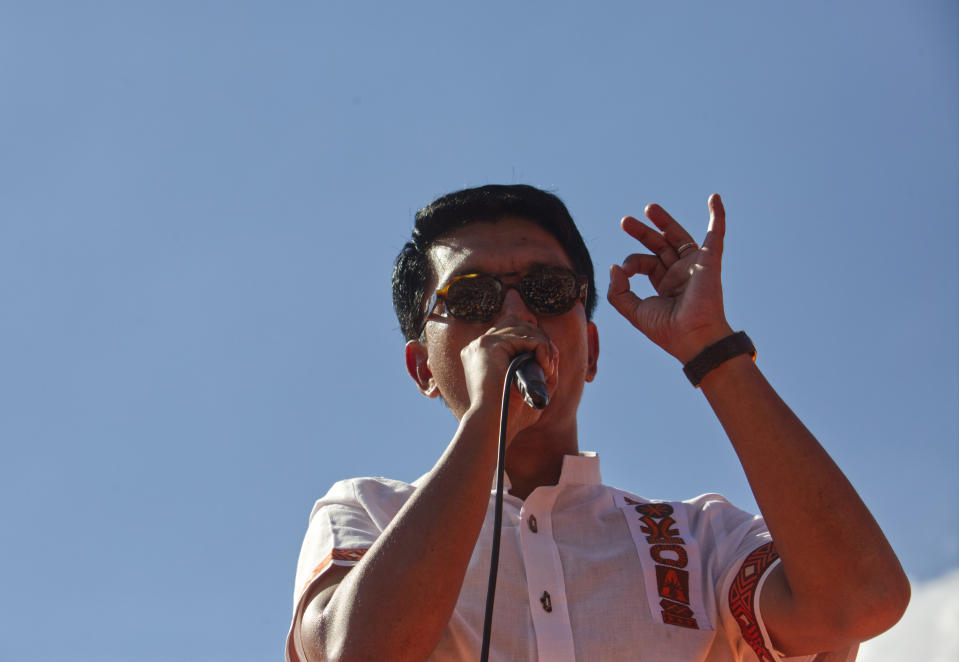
(397, 571)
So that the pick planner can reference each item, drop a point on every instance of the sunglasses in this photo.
(478, 297)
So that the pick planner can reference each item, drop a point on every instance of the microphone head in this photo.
(531, 383)
(535, 397)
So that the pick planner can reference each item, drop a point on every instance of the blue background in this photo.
(200, 203)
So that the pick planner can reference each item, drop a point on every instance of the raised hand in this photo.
(687, 312)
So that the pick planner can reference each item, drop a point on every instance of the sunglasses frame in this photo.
(582, 284)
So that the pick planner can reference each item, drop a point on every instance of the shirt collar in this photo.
(580, 469)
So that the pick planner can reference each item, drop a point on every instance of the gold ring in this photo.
(688, 244)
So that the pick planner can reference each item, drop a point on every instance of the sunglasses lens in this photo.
(550, 291)
(474, 299)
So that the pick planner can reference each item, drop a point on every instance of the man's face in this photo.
(501, 247)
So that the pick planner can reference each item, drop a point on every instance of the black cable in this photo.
(498, 512)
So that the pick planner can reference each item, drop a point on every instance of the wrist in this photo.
(715, 355)
(481, 412)
(694, 343)
(729, 372)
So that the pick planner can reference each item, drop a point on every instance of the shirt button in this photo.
(546, 602)
(532, 523)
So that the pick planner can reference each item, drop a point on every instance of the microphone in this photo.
(531, 382)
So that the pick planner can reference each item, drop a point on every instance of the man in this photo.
(390, 571)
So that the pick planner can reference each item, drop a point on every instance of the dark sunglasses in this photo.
(478, 297)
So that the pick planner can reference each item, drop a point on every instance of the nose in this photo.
(514, 305)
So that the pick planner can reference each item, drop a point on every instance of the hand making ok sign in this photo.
(687, 312)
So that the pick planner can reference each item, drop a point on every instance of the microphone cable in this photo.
(532, 401)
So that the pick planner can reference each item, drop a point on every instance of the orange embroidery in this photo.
(353, 555)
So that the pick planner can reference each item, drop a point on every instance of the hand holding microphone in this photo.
(486, 358)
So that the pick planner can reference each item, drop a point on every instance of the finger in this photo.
(548, 358)
(651, 239)
(716, 233)
(518, 332)
(521, 339)
(648, 265)
(619, 294)
(674, 233)
(522, 336)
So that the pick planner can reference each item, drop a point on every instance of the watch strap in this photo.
(718, 353)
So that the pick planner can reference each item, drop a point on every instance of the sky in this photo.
(200, 204)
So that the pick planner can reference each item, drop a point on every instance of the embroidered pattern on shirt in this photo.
(348, 555)
(668, 551)
(742, 597)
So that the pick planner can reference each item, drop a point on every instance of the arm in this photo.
(397, 601)
(839, 580)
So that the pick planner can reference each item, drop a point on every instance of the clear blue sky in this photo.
(200, 203)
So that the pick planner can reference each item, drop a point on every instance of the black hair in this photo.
(412, 271)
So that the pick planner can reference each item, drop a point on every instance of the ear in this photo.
(592, 347)
(417, 366)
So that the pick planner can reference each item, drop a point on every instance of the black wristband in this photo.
(718, 353)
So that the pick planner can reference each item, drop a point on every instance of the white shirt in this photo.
(586, 572)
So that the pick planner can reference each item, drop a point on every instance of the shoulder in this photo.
(379, 497)
(709, 518)
(710, 501)
(719, 513)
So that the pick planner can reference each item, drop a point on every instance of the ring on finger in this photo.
(686, 246)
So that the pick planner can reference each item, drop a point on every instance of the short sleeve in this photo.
(343, 525)
(742, 590)
(740, 554)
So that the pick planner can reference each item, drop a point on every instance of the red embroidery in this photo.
(677, 614)
(347, 554)
(667, 551)
(673, 583)
(661, 531)
(658, 551)
(742, 597)
(657, 510)
(336, 555)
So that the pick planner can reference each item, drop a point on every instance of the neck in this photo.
(535, 458)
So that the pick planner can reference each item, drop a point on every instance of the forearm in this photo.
(396, 603)
(837, 562)
(839, 580)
